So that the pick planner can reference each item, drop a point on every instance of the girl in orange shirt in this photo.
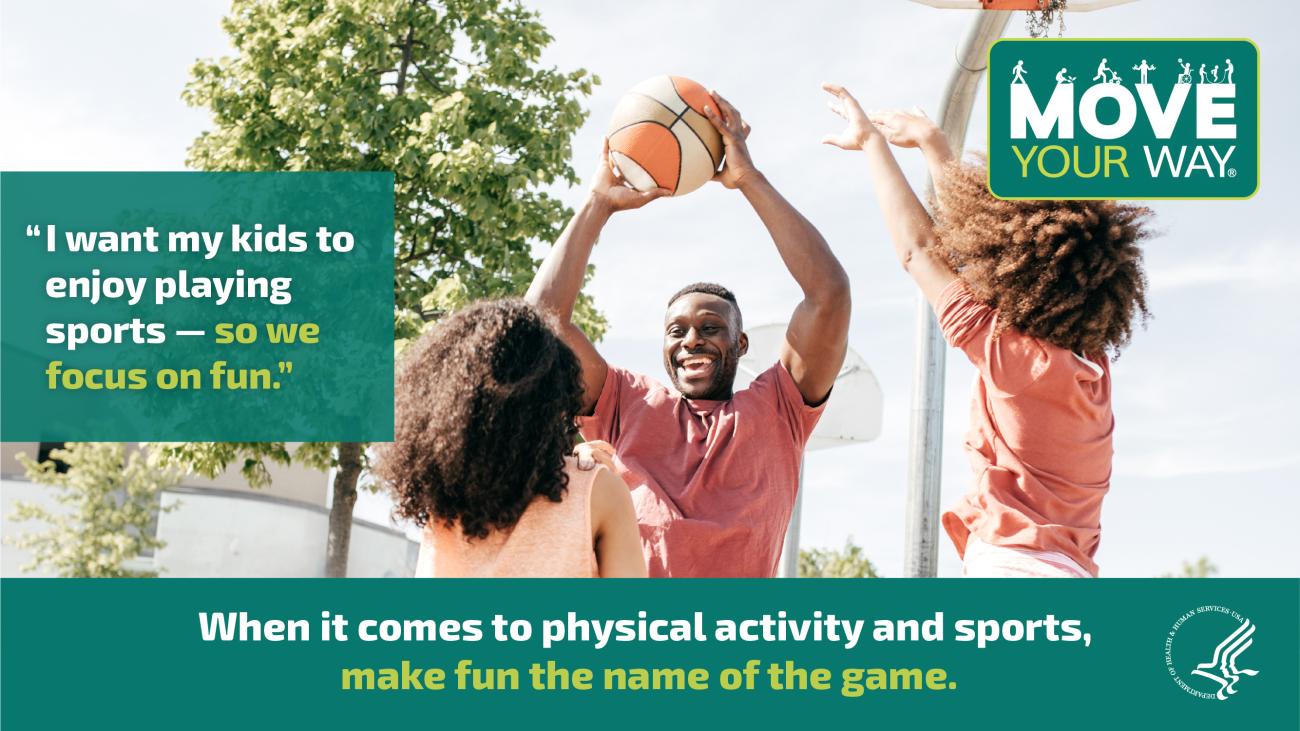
(1039, 295)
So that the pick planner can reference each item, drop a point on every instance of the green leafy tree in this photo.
(110, 503)
(846, 563)
(450, 96)
(1202, 569)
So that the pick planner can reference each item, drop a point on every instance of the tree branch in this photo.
(406, 54)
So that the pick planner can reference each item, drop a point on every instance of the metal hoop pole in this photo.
(925, 462)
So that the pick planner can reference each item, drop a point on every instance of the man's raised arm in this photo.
(555, 287)
(817, 337)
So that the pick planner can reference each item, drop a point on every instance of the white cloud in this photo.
(1268, 263)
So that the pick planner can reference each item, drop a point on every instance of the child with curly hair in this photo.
(486, 403)
(1039, 295)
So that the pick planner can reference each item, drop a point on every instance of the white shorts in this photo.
(984, 561)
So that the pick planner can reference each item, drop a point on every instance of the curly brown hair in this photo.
(485, 411)
(1068, 272)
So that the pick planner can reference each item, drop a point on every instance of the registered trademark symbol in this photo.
(1232, 172)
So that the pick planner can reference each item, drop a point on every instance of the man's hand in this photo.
(906, 128)
(738, 165)
(613, 193)
(592, 453)
(859, 128)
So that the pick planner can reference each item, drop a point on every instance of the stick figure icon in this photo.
(1229, 69)
(1186, 76)
(1102, 70)
(1062, 78)
(1202, 73)
(1143, 69)
(1018, 73)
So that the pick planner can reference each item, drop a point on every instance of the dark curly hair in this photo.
(1067, 272)
(485, 413)
(717, 290)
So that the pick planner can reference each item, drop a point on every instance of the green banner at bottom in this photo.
(316, 653)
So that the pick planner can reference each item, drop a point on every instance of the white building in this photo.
(223, 528)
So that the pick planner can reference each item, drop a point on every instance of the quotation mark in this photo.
(286, 367)
(34, 231)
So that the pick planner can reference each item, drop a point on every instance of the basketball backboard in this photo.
(854, 411)
(1078, 6)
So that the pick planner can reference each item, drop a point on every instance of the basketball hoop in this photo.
(1038, 21)
(1013, 4)
(1040, 15)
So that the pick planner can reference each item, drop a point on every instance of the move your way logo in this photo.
(1123, 118)
(1189, 639)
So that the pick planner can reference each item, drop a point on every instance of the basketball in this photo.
(660, 138)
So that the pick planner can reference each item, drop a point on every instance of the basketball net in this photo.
(1039, 22)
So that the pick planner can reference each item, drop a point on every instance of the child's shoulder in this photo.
(1055, 370)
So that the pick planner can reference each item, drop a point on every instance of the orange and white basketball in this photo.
(660, 138)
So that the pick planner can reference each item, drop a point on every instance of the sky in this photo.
(1205, 401)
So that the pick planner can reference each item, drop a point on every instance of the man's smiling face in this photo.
(703, 343)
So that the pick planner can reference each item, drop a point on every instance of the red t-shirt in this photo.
(1039, 440)
(713, 482)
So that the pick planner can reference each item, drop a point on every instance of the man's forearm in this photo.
(559, 279)
(806, 254)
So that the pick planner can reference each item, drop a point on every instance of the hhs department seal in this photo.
(1204, 651)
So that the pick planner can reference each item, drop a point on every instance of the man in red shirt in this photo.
(713, 473)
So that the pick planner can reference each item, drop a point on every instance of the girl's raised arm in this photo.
(909, 224)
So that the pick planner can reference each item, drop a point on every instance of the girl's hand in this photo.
(909, 128)
(859, 128)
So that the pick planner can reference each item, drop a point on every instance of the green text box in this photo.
(116, 644)
(339, 388)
